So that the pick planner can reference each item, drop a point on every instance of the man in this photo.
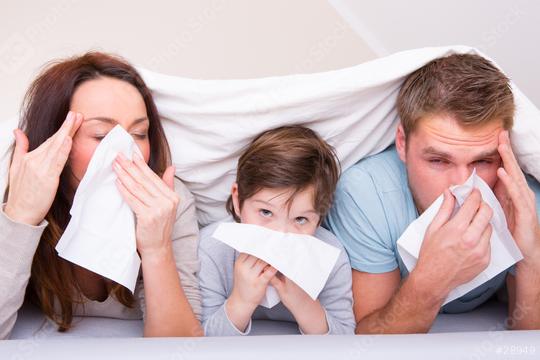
(455, 115)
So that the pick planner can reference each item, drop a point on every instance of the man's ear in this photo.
(401, 143)
(235, 201)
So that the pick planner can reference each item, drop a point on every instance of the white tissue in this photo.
(504, 251)
(303, 259)
(101, 233)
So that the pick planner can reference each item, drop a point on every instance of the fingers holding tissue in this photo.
(291, 295)
(152, 199)
(251, 278)
(471, 248)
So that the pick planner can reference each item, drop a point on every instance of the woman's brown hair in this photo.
(44, 109)
(292, 157)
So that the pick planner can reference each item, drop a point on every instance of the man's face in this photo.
(440, 153)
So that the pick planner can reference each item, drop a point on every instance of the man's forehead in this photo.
(446, 131)
(453, 152)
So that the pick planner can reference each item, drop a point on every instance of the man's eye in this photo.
(301, 220)
(438, 161)
(483, 162)
(265, 213)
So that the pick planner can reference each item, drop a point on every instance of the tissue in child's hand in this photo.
(504, 251)
(101, 233)
(303, 259)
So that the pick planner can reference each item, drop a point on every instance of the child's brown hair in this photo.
(292, 157)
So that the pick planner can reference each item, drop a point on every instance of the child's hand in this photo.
(251, 278)
(291, 295)
(308, 313)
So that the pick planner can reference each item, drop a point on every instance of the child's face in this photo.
(269, 208)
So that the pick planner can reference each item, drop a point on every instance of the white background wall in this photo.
(255, 38)
(195, 38)
(506, 30)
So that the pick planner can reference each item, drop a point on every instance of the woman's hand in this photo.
(152, 199)
(154, 202)
(34, 176)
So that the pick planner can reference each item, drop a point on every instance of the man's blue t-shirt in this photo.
(373, 206)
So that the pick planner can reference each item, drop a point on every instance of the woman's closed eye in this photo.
(138, 136)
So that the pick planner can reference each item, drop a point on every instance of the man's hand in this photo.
(519, 204)
(455, 249)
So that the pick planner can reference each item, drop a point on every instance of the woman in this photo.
(68, 109)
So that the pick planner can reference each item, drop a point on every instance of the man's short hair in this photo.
(466, 87)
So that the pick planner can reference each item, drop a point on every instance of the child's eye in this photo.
(301, 220)
(265, 213)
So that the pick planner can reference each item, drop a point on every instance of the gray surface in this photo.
(475, 345)
(463, 336)
(31, 324)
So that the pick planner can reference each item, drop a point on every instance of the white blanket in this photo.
(209, 122)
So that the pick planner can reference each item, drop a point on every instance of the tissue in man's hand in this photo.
(101, 233)
(304, 259)
(504, 251)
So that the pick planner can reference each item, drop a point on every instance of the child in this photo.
(285, 182)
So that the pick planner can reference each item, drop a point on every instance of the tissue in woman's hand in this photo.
(504, 251)
(101, 233)
(303, 259)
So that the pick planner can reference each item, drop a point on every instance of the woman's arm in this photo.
(185, 243)
(33, 182)
(155, 204)
(185, 263)
(18, 243)
(168, 312)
